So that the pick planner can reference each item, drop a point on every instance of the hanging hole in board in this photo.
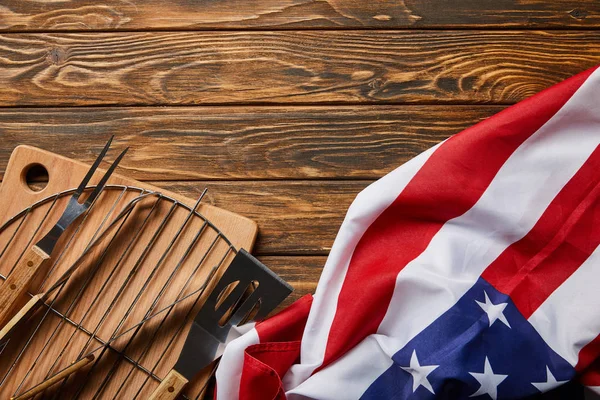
(35, 177)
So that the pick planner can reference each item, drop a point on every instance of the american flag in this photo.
(472, 271)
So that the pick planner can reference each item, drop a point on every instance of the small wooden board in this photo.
(119, 275)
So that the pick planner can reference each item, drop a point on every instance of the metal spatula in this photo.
(211, 325)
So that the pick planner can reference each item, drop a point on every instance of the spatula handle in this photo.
(170, 387)
(18, 281)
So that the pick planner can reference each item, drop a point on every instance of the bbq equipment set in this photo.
(133, 295)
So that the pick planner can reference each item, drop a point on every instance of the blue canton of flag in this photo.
(481, 348)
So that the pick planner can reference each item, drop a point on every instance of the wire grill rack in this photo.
(141, 276)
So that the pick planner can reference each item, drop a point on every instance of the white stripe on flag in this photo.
(231, 365)
(592, 393)
(455, 258)
(346, 380)
(574, 301)
(365, 209)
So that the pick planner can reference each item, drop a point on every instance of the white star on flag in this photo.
(419, 373)
(550, 383)
(488, 380)
(494, 311)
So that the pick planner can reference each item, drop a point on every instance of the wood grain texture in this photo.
(294, 14)
(241, 143)
(294, 217)
(302, 272)
(188, 68)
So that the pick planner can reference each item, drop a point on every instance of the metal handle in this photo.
(170, 387)
(17, 283)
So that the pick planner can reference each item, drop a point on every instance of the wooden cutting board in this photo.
(116, 274)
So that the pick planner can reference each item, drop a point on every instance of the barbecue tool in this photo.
(134, 296)
(18, 281)
(32, 305)
(212, 323)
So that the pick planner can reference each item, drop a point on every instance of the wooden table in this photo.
(285, 109)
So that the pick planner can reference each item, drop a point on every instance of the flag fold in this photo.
(471, 271)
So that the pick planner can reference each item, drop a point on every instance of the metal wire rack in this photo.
(140, 278)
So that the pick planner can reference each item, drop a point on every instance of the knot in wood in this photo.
(377, 83)
(578, 13)
(56, 56)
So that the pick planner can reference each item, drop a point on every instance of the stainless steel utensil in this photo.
(226, 306)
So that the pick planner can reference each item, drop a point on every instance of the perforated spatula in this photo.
(211, 325)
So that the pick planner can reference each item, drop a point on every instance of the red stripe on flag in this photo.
(267, 362)
(562, 239)
(448, 185)
(589, 362)
(287, 325)
(591, 376)
(264, 367)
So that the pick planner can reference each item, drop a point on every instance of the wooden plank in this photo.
(294, 14)
(301, 272)
(294, 217)
(230, 143)
(288, 67)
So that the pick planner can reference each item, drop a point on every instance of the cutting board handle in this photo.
(22, 160)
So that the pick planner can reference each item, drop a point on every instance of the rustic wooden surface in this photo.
(173, 68)
(19, 15)
(284, 109)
